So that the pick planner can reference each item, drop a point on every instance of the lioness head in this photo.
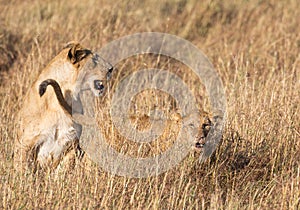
(91, 70)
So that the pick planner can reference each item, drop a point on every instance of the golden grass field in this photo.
(253, 45)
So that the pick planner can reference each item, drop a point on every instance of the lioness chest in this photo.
(59, 137)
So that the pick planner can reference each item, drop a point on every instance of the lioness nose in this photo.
(109, 72)
(98, 84)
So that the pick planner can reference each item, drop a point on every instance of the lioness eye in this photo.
(95, 59)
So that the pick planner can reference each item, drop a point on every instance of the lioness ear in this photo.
(77, 53)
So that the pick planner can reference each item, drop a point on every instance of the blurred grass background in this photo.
(254, 46)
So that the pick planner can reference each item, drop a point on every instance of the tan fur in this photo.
(47, 132)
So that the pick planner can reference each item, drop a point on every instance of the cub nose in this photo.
(98, 84)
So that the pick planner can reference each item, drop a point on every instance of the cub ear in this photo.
(77, 52)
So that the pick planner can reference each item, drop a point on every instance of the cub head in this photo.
(92, 71)
(203, 131)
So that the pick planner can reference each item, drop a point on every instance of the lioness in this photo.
(47, 130)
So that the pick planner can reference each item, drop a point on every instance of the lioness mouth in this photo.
(98, 85)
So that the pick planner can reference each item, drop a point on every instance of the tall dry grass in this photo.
(254, 46)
